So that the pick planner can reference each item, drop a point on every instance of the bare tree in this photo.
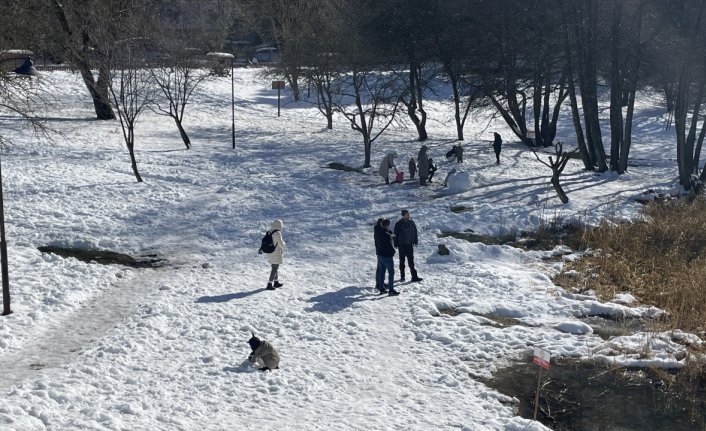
(581, 51)
(177, 76)
(375, 100)
(79, 22)
(557, 166)
(625, 59)
(131, 85)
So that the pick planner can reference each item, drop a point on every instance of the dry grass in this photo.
(661, 261)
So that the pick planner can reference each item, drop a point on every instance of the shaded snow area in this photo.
(108, 347)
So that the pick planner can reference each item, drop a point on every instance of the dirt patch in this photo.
(341, 167)
(106, 257)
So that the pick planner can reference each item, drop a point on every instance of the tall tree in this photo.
(625, 60)
(581, 51)
(79, 22)
(402, 29)
(131, 85)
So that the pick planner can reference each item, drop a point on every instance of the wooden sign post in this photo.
(541, 357)
(278, 85)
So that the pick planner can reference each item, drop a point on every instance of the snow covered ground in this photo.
(115, 348)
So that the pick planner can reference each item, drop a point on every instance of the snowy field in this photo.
(106, 347)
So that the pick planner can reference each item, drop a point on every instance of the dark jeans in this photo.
(385, 263)
(407, 250)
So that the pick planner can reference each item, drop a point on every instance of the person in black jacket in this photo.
(406, 240)
(380, 268)
(497, 146)
(384, 244)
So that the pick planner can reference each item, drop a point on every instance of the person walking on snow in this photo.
(276, 258)
(387, 163)
(405, 240)
(497, 146)
(384, 241)
(423, 165)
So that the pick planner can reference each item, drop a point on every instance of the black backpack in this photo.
(268, 245)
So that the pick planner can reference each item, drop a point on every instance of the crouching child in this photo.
(263, 354)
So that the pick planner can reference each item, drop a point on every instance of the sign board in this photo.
(541, 358)
(277, 85)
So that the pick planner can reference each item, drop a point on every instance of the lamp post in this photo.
(232, 100)
(27, 69)
(3, 256)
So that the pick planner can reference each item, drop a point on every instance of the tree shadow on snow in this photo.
(333, 302)
(227, 297)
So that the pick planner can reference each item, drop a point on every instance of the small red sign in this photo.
(541, 358)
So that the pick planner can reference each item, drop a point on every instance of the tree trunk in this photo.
(559, 191)
(131, 149)
(182, 132)
(616, 90)
(293, 79)
(97, 89)
(586, 45)
(457, 108)
(415, 103)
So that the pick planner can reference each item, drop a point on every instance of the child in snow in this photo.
(412, 168)
(264, 354)
(276, 257)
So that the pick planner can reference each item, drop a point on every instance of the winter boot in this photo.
(269, 287)
(278, 284)
(393, 292)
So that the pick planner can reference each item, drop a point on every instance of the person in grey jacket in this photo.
(423, 165)
(387, 163)
(405, 241)
(263, 353)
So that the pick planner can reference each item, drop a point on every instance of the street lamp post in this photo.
(232, 100)
(3, 256)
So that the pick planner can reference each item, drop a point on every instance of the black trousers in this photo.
(407, 251)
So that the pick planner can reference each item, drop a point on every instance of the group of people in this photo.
(424, 165)
(403, 238)
(387, 241)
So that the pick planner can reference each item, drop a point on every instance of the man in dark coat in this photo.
(405, 240)
(384, 244)
(497, 146)
(423, 165)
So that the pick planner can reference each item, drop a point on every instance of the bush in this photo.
(661, 261)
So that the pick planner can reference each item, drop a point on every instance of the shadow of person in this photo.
(333, 302)
(227, 297)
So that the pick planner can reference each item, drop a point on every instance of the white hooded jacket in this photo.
(277, 256)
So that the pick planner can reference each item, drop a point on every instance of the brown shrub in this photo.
(661, 261)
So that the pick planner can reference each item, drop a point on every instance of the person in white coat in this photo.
(276, 258)
(387, 163)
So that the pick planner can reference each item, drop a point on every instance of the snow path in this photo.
(67, 336)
